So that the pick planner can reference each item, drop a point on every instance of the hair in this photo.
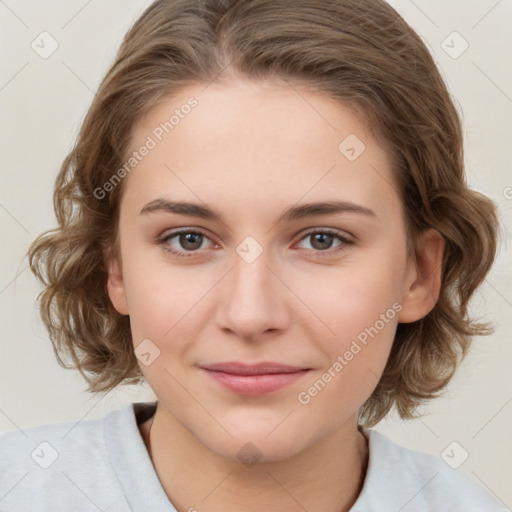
(359, 52)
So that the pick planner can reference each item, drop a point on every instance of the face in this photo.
(318, 289)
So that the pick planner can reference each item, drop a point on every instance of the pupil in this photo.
(323, 236)
(189, 238)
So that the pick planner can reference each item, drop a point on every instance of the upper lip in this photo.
(262, 368)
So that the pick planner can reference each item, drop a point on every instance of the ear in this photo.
(115, 285)
(423, 277)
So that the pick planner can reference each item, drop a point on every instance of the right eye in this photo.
(189, 240)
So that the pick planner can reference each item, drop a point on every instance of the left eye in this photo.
(191, 241)
(322, 239)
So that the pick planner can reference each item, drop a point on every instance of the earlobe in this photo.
(115, 286)
(424, 284)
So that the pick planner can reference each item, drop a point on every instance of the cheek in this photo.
(358, 307)
(166, 302)
(353, 297)
(355, 358)
(147, 283)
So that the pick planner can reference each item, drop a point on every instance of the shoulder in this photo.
(49, 466)
(410, 480)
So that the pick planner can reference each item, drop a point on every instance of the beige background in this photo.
(43, 101)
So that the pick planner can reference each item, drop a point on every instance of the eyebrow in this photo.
(295, 212)
(292, 213)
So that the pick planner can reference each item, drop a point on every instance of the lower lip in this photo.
(255, 384)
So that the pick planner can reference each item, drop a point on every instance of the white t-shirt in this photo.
(103, 465)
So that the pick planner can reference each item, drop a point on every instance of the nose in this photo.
(253, 300)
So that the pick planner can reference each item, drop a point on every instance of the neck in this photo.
(327, 477)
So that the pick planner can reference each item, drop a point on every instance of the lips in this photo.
(254, 379)
(252, 369)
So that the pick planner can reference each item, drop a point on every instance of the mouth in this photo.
(254, 379)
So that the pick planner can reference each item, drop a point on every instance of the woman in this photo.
(266, 217)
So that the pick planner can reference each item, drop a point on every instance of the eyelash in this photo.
(187, 254)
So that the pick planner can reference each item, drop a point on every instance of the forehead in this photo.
(256, 143)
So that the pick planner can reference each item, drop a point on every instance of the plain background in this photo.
(43, 102)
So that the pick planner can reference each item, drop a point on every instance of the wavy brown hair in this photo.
(360, 52)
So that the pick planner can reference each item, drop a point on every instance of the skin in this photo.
(251, 150)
